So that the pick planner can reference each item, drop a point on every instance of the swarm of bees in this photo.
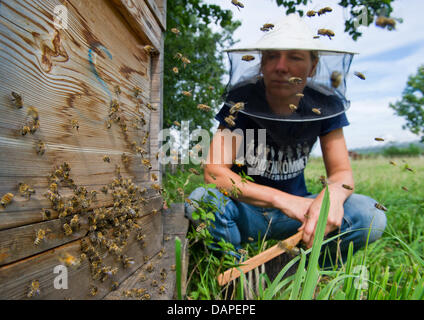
(326, 32)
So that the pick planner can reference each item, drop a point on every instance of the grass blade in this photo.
(178, 266)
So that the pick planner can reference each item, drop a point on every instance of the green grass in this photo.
(393, 265)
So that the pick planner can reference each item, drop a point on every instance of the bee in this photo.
(146, 296)
(25, 129)
(393, 163)
(6, 199)
(104, 189)
(378, 139)
(250, 239)
(200, 227)
(25, 190)
(117, 90)
(17, 100)
(405, 188)
(127, 262)
(292, 107)
(203, 107)
(359, 75)
(93, 291)
(46, 214)
(75, 124)
(178, 56)
(384, 22)
(154, 283)
(146, 163)
(239, 106)
(326, 32)
(211, 88)
(173, 267)
(295, 80)
(70, 261)
(237, 3)
(154, 177)
(67, 229)
(300, 95)
(316, 111)
(175, 70)
(150, 268)
(175, 31)
(177, 123)
(212, 176)
(194, 171)
(156, 187)
(315, 37)
(347, 187)
(114, 286)
(311, 13)
(106, 159)
(223, 191)
(108, 124)
(230, 121)
(40, 147)
(324, 10)
(323, 180)
(34, 289)
(242, 252)
(125, 159)
(247, 57)
(149, 49)
(185, 61)
(267, 27)
(336, 79)
(33, 113)
(40, 235)
(380, 206)
(187, 93)
(162, 289)
(74, 223)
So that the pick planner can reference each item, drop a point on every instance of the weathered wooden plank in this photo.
(159, 11)
(141, 19)
(16, 277)
(18, 243)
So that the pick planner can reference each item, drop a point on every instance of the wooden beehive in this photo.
(68, 64)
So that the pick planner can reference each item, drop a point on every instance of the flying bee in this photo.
(67, 229)
(203, 107)
(70, 261)
(384, 22)
(378, 139)
(17, 100)
(323, 180)
(380, 206)
(40, 235)
(40, 147)
(200, 227)
(248, 57)
(266, 27)
(316, 111)
(178, 56)
(359, 75)
(347, 187)
(336, 79)
(292, 107)
(6, 199)
(186, 93)
(34, 289)
(106, 159)
(242, 252)
(250, 239)
(393, 163)
(175, 31)
(324, 11)
(326, 32)
(295, 80)
(194, 171)
(405, 188)
(311, 13)
(230, 121)
(185, 61)
(239, 106)
(237, 3)
(177, 123)
(75, 124)
(175, 70)
(25, 129)
(149, 49)
(301, 95)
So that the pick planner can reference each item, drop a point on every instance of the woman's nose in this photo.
(282, 64)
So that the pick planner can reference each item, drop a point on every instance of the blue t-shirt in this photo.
(279, 163)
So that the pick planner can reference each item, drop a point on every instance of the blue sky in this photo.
(387, 58)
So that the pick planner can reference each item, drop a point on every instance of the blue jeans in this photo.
(238, 222)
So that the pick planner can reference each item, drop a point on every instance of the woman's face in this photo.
(279, 66)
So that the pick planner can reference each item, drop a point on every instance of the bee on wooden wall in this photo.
(25, 130)
(40, 147)
(67, 229)
(162, 289)
(106, 159)
(17, 100)
(149, 49)
(33, 113)
(75, 223)
(6, 199)
(34, 289)
(25, 190)
(75, 124)
(40, 235)
(46, 214)
(93, 291)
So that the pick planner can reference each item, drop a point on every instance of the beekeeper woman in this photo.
(284, 93)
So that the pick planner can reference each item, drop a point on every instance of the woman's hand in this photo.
(335, 215)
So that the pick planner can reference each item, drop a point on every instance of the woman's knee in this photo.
(362, 214)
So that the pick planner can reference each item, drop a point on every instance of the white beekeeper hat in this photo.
(329, 80)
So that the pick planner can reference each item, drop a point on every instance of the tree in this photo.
(202, 46)
(372, 9)
(411, 106)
